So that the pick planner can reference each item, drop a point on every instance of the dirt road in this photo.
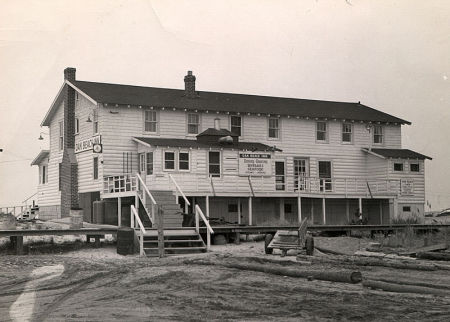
(99, 285)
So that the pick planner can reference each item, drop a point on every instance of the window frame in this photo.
(77, 126)
(174, 160)
(95, 168)
(379, 135)
(188, 161)
(197, 124)
(156, 121)
(240, 127)
(398, 163)
(278, 128)
(61, 135)
(148, 162)
(325, 140)
(43, 175)
(418, 167)
(344, 124)
(326, 183)
(142, 162)
(220, 164)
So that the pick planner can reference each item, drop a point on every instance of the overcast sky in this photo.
(390, 55)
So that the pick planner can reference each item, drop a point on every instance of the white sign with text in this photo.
(87, 144)
(255, 164)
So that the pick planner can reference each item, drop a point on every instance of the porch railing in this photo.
(200, 215)
(119, 183)
(135, 218)
(143, 194)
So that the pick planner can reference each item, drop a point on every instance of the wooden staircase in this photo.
(172, 211)
(176, 241)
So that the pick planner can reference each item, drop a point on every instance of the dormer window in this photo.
(236, 125)
(274, 128)
(150, 121)
(321, 131)
(347, 133)
(193, 125)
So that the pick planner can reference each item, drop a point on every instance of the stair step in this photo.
(175, 250)
(171, 232)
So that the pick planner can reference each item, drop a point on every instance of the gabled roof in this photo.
(397, 154)
(40, 157)
(233, 103)
(185, 143)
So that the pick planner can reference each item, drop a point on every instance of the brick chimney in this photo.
(189, 85)
(69, 166)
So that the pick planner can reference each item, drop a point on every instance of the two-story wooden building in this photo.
(245, 158)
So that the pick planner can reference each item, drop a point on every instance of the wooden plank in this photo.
(431, 248)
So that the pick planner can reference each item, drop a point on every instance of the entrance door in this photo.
(325, 176)
(280, 177)
(301, 172)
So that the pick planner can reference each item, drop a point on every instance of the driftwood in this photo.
(430, 248)
(372, 261)
(391, 287)
(434, 256)
(329, 251)
(412, 283)
(333, 276)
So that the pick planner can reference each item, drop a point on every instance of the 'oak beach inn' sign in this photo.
(255, 164)
(88, 144)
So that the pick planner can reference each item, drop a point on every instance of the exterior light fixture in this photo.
(40, 138)
(89, 119)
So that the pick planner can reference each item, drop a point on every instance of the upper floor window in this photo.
(169, 160)
(398, 166)
(347, 133)
(414, 167)
(95, 121)
(150, 121)
(193, 123)
(77, 125)
(61, 135)
(321, 131)
(183, 161)
(274, 128)
(378, 136)
(95, 168)
(214, 164)
(236, 125)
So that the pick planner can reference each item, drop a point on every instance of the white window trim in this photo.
(332, 173)
(409, 167)
(174, 160)
(383, 135)
(98, 168)
(279, 128)
(178, 161)
(42, 176)
(351, 133)
(221, 163)
(199, 123)
(143, 162)
(157, 122)
(399, 162)
(77, 125)
(327, 131)
(61, 128)
(153, 162)
(242, 124)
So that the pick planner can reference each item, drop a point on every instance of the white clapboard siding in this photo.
(417, 177)
(84, 109)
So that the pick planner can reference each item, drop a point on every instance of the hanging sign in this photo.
(255, 164)
(87, 144)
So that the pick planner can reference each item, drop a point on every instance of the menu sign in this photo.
(255, 164)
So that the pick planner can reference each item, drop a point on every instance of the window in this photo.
(321, 131)
(398, 166)
(347, 133)
(61, 135)
(95, 168)
(141, 162)
(407, 208)
(232, 207)
(214, 164)
(169, 160)
(44, 174)
(287, 208)
(325, 175)
(378, 134)
(150, 121)
(183, 161)
(149, 162)
(414, 167)
(236, 125)
(59, 176)
(77, 126)
(274, 128)
(95, 121)
(193, 123)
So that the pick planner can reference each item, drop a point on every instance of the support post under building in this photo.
(250, 211)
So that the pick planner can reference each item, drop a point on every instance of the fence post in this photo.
(160, 223)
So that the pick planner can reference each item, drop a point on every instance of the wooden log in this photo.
(434, 256)
(397, 288)
(329, 251)
(412, 282)
(332, 276)
(441, 246)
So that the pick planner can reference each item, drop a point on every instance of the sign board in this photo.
(87, 144)
(407, 187)
(255, 164)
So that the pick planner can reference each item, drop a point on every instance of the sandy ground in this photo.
(98, 284)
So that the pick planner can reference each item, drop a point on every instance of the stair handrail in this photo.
(198, 211)
(135, 216)
(179, 189)
(145, 188)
